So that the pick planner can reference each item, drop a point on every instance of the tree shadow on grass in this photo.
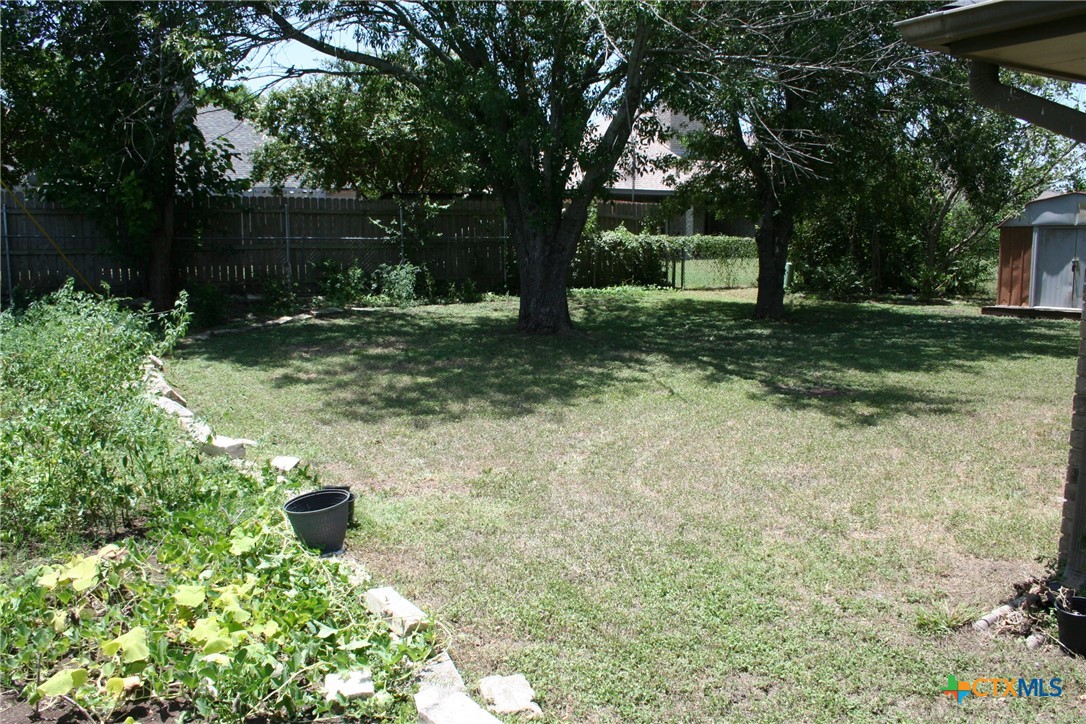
(454, 363)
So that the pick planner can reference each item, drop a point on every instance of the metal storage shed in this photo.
(1042, 257)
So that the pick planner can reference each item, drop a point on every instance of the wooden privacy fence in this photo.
(248, 239)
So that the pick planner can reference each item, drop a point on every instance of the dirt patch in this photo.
(62, 711)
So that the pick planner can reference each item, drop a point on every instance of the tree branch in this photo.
(289, 32)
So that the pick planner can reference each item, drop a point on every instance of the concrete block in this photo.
(172, 407)
(509, 695)
(452, 708)
(221, 445)
(403, 617)
(441, 672)
(286, 463)
(351, 685)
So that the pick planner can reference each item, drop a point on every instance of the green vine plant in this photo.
(224, 615)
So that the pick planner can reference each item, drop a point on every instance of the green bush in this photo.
(397, 284)
(342, 286)
(208, 304)
(620, 257)
(82, 451)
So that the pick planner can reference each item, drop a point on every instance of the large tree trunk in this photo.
(544, 308)
(772, 239)
(159, 267)
(544, 254)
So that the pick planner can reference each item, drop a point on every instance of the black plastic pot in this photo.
(350, 501)
(320, 518)
(1072, 625)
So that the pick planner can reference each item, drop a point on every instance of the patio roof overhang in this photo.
(1044, 37)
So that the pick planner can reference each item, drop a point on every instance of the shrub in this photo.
(82, 452)
(620, 257)
(208, 304)
(396, 284)
(342, 286)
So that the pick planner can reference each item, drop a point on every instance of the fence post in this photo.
(7, 253)
(286, 239)
(399, 207)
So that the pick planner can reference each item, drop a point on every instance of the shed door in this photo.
(1060, 255)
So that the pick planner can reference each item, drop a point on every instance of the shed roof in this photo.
(1068, 209)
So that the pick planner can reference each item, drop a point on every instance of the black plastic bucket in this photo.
(1072, 625)
(320, 518)
(350, 501)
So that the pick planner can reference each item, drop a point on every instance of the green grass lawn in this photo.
(681, 514)
(717, 273)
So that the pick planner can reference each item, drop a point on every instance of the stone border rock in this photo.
(442, 697)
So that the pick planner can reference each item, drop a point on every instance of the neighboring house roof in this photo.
(1058, 209)
(644, 174)
(216, 123)
(640, 175)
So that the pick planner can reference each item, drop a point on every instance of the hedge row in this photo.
(618, 257)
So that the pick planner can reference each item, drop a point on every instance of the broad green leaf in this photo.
(190, 596)
(217, 644)
(324, 632)
(50, 578)
(206, 629)
(62, 682)
(217, 659)
(242, 544)
(133, 644)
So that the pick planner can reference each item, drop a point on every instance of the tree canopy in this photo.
(99, 107)
(356, 129)
(874, 157)
(523, 86)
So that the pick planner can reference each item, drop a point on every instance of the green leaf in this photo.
(324, 632)
(206, 629)
(60, 683)
(133, 644)
(217, 645)
(242, 544)
(190, 596)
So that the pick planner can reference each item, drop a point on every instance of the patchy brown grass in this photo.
(679, 513)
